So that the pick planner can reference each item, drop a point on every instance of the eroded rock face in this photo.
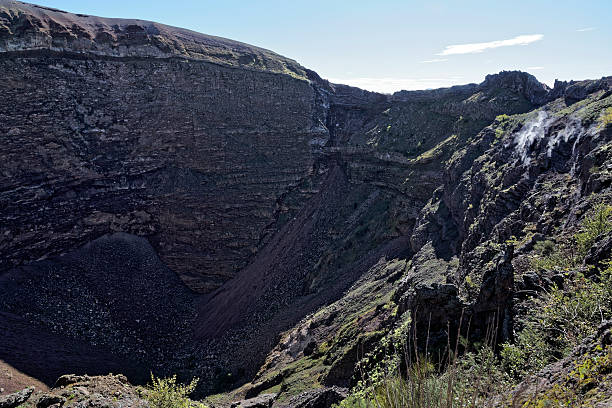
(320, 398)
(191, 154)
(261, 401)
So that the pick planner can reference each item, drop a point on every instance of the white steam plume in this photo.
(532, 131)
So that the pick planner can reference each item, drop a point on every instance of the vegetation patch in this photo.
(570, 252)
(586, 385)
(606, 120)
(168, 393)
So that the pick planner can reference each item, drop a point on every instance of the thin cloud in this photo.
(534, 68)
(581, 30)
(433, 60)
(390, 85)
(480, 47)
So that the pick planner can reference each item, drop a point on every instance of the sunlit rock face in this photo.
(29, 27)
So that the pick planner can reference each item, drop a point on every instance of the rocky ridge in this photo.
(29, 27)
(80, 391)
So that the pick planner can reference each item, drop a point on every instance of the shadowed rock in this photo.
(16, 399)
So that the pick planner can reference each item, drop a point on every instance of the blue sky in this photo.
(391, 45)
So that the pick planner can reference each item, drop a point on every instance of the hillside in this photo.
(181, 203)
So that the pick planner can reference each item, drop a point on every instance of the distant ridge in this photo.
(25, 27)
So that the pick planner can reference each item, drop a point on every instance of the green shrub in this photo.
(607, 117)
(467, 382)
(502, 123)
(422, 388)
(581, 387)
(597, 223)
(166, 393)
(557, 321)
(502, 118)
(480, 375)
(570, 253)
(550, 256)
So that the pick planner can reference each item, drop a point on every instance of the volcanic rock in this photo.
(16, 399)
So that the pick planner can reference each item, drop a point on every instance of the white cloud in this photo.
(585, 29)
(535, 68)
(433, 60)
(480, 47)
(390, 85)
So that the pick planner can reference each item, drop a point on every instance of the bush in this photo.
(422, 388)
(480, 376)
(584, 386)
(166, 393)
(550, 256)
(570, 253)
(562, 317)
(557, 321)
(467, 382)
(460, 382)
(596, 224)
(607, 117)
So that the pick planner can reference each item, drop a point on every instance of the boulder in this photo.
(319, 398)
(48, 400)
(69, 379)
(16, 399)
(261, 401)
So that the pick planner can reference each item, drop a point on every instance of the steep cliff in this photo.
(178, 145)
